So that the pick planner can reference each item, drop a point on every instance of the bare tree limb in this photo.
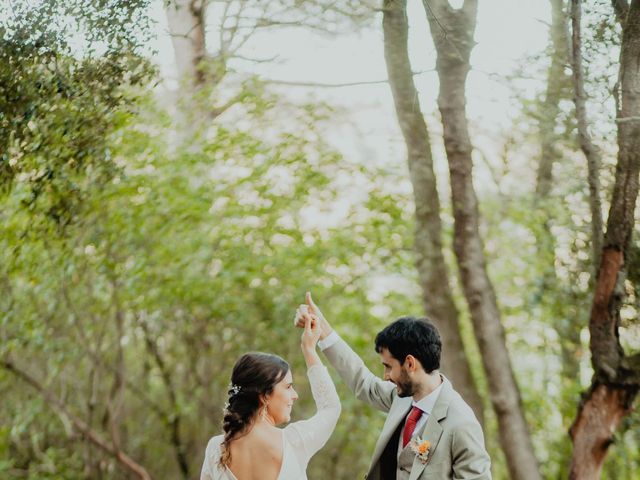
(627, 119)
(100, 363)
(336, 85)
(586, 144)
(85, 430)
(175, 419)
(256, 60)
(324, 85)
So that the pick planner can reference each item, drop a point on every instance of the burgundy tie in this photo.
(410, 426)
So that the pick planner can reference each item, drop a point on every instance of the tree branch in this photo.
(85, 430)
(175, 419)
(335, 85)
(586, 144)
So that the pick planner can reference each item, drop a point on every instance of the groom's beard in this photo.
(404, 385)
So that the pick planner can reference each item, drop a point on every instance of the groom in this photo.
(430, 432)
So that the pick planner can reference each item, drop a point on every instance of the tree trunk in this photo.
(452, 31)
(557, 90)
(590, 150)
(556, 82)
(432, 269)
(616, 380)
(186, 19)
(187, 29)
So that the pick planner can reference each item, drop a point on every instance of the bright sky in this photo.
(507, 31)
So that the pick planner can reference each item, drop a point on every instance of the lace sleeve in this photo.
(210, 470)
(309, 436)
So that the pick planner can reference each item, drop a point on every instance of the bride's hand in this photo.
(311, 333)
(310, 308)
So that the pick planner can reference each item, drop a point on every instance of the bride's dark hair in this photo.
(254, 376)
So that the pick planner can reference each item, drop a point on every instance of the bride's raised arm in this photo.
(309, 436)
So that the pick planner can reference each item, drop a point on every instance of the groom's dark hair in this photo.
(412, 336)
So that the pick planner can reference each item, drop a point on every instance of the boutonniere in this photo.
(422, 448)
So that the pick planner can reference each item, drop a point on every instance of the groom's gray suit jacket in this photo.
(457, 442)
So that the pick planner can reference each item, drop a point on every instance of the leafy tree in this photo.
(67, 69)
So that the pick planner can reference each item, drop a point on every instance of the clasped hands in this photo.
(309, 317)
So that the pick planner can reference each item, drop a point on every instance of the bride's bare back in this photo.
(257, 455)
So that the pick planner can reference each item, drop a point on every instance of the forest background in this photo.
(175, 175)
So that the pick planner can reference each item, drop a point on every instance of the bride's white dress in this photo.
(301, 440)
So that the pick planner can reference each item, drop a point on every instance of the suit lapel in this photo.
(396, 414)
(432, 431)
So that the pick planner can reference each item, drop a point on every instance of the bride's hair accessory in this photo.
(232, 392)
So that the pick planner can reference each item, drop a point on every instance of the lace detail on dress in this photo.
(211, 469)
(308, 436)
(322, 388)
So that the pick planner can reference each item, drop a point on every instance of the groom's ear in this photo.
(412, 363)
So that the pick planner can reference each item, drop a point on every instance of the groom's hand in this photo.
(312, 308)
(311, 332)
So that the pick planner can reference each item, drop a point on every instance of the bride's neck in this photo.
(264, 423)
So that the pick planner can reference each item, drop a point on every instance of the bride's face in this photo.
(280, 402)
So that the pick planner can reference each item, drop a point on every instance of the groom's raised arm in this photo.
(365, 385)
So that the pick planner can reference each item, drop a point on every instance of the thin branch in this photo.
(233, 30)
(99, 362)
(586, 144)
(627, 119)
(175, 420)
(323, 85)
(217, 111)
(335, 85)
(115, 400)
(85, 430)
(265, 23)
(186, 35)
(223, 43)
(256, 60)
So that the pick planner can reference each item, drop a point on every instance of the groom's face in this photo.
(395, 373)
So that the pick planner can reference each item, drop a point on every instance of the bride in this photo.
(260, 398)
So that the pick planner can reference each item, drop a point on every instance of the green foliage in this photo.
(205, 255)
(131, 265)
(66, 72)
